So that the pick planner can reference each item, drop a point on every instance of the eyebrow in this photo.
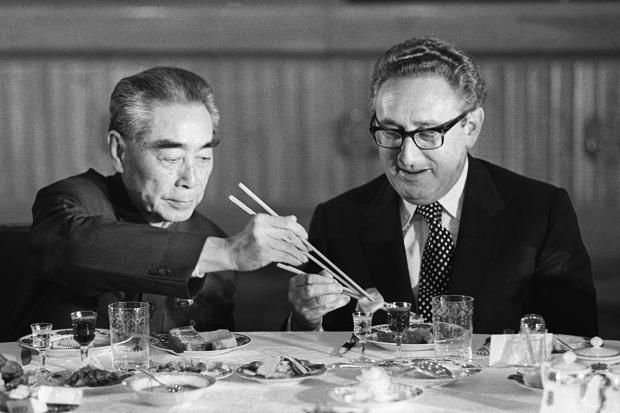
(171, 144)
(391, 122)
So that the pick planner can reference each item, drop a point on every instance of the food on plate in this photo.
(212, 368)
(414, 335)
(281, 367)
(13, 375)
(188, 339)
(376, 382)
(88, 376)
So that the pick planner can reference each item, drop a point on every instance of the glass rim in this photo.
(83, 313)
(361, 314)
(42, 325)
(128, 305)
(397, 304)
(453, 298)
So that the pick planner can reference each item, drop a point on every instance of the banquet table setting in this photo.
(489, 389)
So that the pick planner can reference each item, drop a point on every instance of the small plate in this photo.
(357, 394)
(215, 369)
(62, 341)
(248, 371)
(379, 333)
(459, 369)
(242, 341)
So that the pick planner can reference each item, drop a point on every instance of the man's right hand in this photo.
(314, 295)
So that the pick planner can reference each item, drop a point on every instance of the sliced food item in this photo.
(269, 367)
(220, 339)
(187, 339)
(298, 368)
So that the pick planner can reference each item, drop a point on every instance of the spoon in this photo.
(172, 388)
(429, 368)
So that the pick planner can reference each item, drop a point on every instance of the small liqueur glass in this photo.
(362, 327)
(41, 333)
(398, 321)
(83, 323)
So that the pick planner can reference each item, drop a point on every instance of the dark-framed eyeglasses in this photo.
(425, 139)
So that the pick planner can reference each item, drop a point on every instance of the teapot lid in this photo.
(597, 351)
(568, 364)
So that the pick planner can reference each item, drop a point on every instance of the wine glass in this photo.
(398, 321)
(41, 333)
(83, 330)
(362, 323)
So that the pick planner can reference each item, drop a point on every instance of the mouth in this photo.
(408, 173)
(180, 204)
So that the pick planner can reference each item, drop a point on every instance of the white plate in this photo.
(459, 369)
(242, 341)
(390, 345)
(60, 377)
(62, 340)
(215, 369)
(247, 371)
(397, 392)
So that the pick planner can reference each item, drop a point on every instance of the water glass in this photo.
(398, 321)
(533, 335)
(41, 333)
(362, 326)
(83, 323)
(129, 335)
(453, 326)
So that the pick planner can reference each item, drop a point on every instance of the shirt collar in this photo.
(452, 202)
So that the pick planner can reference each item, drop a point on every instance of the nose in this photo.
(187, 175)
(409, 153)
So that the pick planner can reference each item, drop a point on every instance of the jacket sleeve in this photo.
(563, 288)
(78, 244)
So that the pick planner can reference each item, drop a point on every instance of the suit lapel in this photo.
(382, 246)
(480, 231)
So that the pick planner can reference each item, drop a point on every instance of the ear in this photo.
(116, 146)
(473, 126)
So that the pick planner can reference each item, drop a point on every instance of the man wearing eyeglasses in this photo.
(440, 221)
(135, 235)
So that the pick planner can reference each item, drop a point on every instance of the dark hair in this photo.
(431, 56)
(133, 98)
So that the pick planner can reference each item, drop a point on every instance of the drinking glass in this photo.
(453, 326)
(129, 334)
(41, 333)
(83, 330)
(362, 323)
(533, 335)
(398, 321)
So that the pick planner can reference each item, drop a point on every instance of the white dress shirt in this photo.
(415, 228)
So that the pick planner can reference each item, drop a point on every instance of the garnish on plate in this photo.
(87, 376)
(281, 367)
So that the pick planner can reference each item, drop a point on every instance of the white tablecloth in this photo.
(488, 391)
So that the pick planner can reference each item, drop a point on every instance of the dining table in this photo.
(490, 390)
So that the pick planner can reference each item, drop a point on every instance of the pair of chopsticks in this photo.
(349, 287)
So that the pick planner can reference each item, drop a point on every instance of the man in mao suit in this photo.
(517, 248)
(135, 235)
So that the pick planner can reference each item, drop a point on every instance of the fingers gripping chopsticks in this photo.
(350, 287)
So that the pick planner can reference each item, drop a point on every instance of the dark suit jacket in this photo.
(518, 251)
(89, 246)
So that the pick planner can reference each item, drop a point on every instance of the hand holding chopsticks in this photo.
(335, 271)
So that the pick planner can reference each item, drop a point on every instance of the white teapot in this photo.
(571, 386)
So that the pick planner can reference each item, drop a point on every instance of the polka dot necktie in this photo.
(436, 259)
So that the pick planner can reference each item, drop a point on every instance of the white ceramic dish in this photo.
(242, 341)
(248, 370)
(60, 377)
(141, 384)
(397, 392)
(390, 345)
(216, 369)
(62, 341)
(460, 370)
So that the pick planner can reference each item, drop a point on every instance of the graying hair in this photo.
(423, 56)
(133, 98)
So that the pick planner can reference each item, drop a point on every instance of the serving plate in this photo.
(216, 369)
(60, 378)
(62, 341)
(242, 341)
(359, 395)
(404, 368)
(380, 333)
(248, 371)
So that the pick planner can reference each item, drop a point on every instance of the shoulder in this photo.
(359, 197)
(85, 188)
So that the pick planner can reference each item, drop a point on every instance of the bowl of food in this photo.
(172, 389)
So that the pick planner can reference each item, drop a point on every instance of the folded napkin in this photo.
(513, 350)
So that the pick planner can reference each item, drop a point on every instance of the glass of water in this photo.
(41, 333)
(398, 321)
(453, 326)
(362, 326)
(129, 334)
